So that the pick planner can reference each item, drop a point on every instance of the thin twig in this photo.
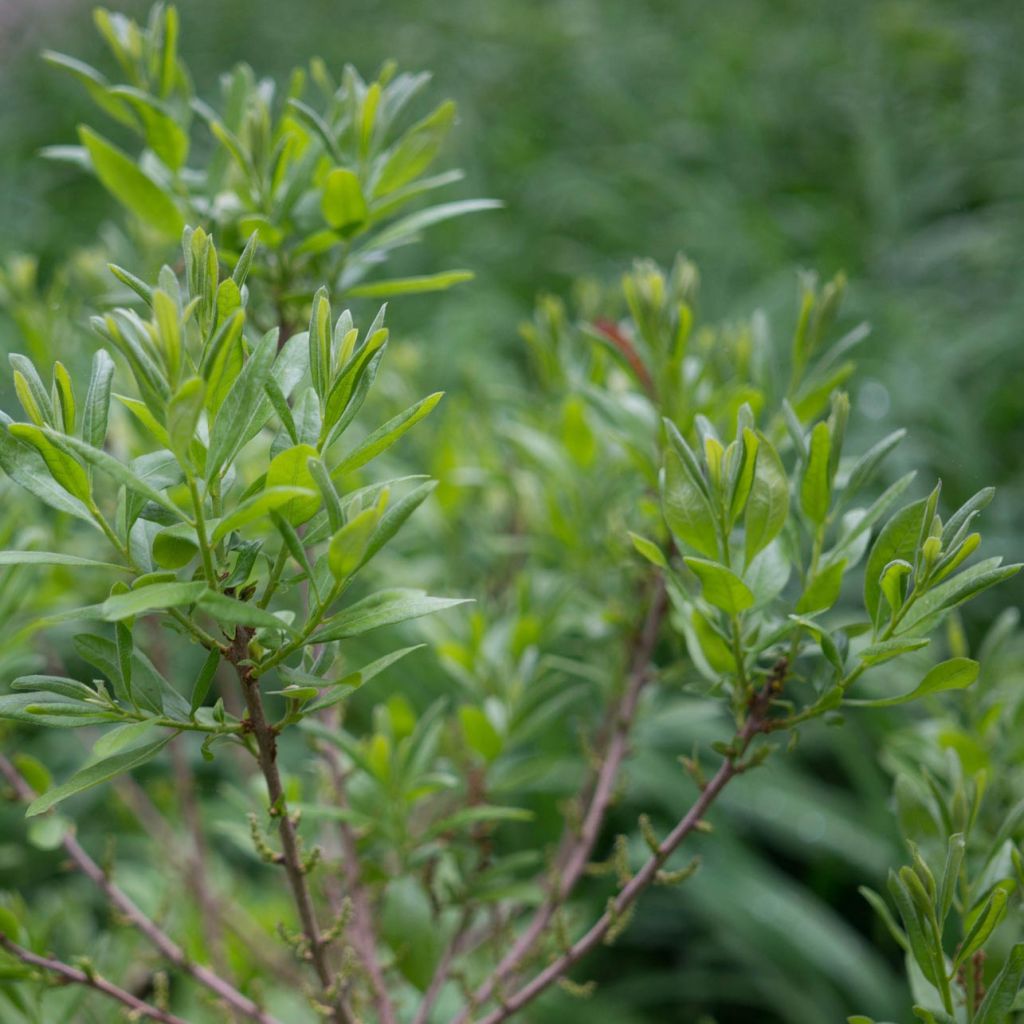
(229, 914)
(149, 928)
(728, 770)
(363, 931)
(266, 743)
(576, 848)
(73, 976)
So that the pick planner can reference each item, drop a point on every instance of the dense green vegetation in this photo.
(882, 140)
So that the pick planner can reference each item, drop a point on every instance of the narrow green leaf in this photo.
(385, 608)
(155, 597)
(999, 1000)
(338, 691)
(348, 545)
(239, 613)
(97, 400)
(768, 504)
(55, 558)
(130, 186)
(385, 436)
(342, 203)
(897, 540)
(816, 489)
(955, 674)
(686, 507)
(96, 773)
(411, 285)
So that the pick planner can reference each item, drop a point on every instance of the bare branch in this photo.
(576, 847)
(363, 931)
(731, 767)
(127, 908)
(73, 976)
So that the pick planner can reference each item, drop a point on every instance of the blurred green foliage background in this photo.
(883, 138)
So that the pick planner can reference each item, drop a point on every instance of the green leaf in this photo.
(823, 590)
(97, 400)
(64, 468)
(183, 412)
(59, 685)
(999, 999)
(53, 711)
(984, 925)
(239, 613)
(955, 674)
(395, 518)
(722, 587)
(409, 227)
(385, 436)
(886, 650)
(897, 540)
(238, 417)
(204, 680)
(865, 466)
(744, 476)
(651, 551)
(686, 507)
(156, 596)
(415, 151)
(342, 203)
(96, 773)
(260, 505)
(385, 608)
(338, 691)
(955, 591)
(290, 469)
(163, 134)
(411, 285)
(26, 468)
(348, 545)
(55, 558)
(117, 470)
(479, 814)
(891, 582)
(816, 489)
(130, 186)
(768, 504)
(480, 735)
(175, 546)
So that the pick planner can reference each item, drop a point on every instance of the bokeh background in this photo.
(883, 138)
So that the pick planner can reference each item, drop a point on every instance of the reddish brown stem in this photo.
(121, 902)
(73, 976)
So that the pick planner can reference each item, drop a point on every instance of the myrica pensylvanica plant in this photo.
(215, 461)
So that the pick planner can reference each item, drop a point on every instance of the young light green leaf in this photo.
(722, 587)
(338, 691)
(411, 285)
(348, 545)
(816, 488)
(984, 925)
(649, 550)
(290, 469)
(897, 540)
(96, 773)
(342, 203)
(183, 412)
(64, 468)
(259, 505)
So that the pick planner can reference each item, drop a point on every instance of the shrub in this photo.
(690, 480)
